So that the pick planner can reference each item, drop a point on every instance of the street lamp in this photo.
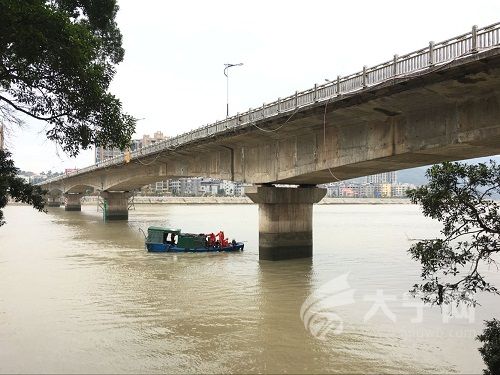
(226, 73)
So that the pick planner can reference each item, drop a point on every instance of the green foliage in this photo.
(16, 187)
(459, 196)
(490, 351)
(57, 59)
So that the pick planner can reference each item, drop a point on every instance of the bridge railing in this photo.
(434, 54)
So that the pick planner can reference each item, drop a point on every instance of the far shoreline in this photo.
(141, 200)
(245, 200)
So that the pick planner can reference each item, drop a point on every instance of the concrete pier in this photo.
(53, 200)
(72, 202)
(285, 220)
(116, 205)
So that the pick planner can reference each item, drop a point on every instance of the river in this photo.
(80, 295)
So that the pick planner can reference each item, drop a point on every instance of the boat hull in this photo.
(167, 248)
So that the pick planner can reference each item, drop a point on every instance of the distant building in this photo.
(353, 189)
(383, 190)
(102, 153)
(382, 178)
(332, 189)
(228, 188)
(399, 190)
(210, 187)
(201, 186)
(239, 188)
(367, 190)
(174, 186)
(349, 190)
(160, 187)
(190, 186)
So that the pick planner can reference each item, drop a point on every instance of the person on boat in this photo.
(222, 239)
(211, 239)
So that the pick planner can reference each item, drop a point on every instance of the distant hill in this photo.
(416, 176)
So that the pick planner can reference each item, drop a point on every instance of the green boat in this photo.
(161, 239)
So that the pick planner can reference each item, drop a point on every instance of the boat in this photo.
(161, 239)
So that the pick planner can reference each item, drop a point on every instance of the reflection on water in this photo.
(80, 295)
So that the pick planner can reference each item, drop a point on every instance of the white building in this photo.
(228, 188)
(399, 190)
(209, 187)
(382, 178)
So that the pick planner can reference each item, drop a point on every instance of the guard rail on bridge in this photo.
(399, 66)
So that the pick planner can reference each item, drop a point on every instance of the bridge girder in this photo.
(444, 113)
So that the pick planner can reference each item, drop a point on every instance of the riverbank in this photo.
(89, 200)
(246, 200)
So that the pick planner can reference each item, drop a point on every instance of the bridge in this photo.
(439, 103)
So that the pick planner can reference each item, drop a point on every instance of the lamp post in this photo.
(226, 73)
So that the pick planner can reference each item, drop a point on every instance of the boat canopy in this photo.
(191, 240)
(164, 230)
(158, 234)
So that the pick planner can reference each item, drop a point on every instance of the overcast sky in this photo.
(172, 76)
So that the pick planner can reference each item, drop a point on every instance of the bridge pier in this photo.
(53, 200)
(116, 205)
(72, 202)
(285, 220)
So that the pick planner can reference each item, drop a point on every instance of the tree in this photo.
(16, 187)
(57, 60)
(460, 196)
(490, 351)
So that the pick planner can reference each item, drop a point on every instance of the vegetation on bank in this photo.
(16, 187)
(460, 197)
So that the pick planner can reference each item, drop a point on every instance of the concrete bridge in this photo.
(435, 104)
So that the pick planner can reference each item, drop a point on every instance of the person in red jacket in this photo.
(222, 240)
(211, 239)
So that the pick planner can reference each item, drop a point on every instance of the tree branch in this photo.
(20, 109)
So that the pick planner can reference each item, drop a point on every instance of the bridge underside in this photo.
(446, 114)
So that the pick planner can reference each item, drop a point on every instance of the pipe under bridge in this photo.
(436, 104)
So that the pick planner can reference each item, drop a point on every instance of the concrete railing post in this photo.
(474, 39)
(338, 86)
(431, 53)
(395, 65)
